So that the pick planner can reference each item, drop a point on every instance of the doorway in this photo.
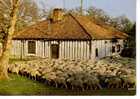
(31, 47)
(55, 51)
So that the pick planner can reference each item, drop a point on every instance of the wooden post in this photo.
(44, 50)
(90, 48)
(21, 49)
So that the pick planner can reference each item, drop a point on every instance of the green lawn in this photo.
(18, 85)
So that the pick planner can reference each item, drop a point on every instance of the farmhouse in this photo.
(67, 36)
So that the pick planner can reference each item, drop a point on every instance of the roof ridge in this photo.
(80, 24)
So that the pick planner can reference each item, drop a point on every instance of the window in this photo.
(113, 49)
(31, 47)
(118, 48)
(96, 52)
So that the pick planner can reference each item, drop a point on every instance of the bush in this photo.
(129, 52)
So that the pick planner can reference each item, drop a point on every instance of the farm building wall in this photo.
(104, 48)
(67, 49)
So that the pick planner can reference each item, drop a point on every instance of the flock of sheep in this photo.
(109, 72)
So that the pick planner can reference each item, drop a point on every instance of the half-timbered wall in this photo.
(74, 49)
(67, 49)
(104, 48)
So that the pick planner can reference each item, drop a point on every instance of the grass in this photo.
(18, 85)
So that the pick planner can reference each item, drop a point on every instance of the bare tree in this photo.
(4, 59)
(28, 14)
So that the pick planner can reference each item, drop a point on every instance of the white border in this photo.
(106, 97)
(138, 47)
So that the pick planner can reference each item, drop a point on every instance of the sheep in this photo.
(75, 83)
(77, 74)
(122, 71)
(113, 82)
(15, 69)
(34, 73)
(92, 82)
(10, 67)
(100, 70)
(50, 77)
(129, 81)
(25, 70)
(61, 82)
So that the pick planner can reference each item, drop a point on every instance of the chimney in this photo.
(57, 14)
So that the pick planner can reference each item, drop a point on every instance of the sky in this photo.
(112, 7)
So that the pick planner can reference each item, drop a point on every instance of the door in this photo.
(31, 47)
(55, 51)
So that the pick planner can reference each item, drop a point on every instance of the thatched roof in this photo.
(72, 27)
(98, 31)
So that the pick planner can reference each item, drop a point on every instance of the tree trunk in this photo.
(4, 59)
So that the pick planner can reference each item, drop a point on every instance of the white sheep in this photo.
(113, 82)
(92, 82)
(50, 77)
(75, 83)
(15, 68)
(129, 80)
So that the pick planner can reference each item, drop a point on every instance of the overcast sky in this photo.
(111, 7)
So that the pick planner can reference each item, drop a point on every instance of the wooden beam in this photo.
(90, 49)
